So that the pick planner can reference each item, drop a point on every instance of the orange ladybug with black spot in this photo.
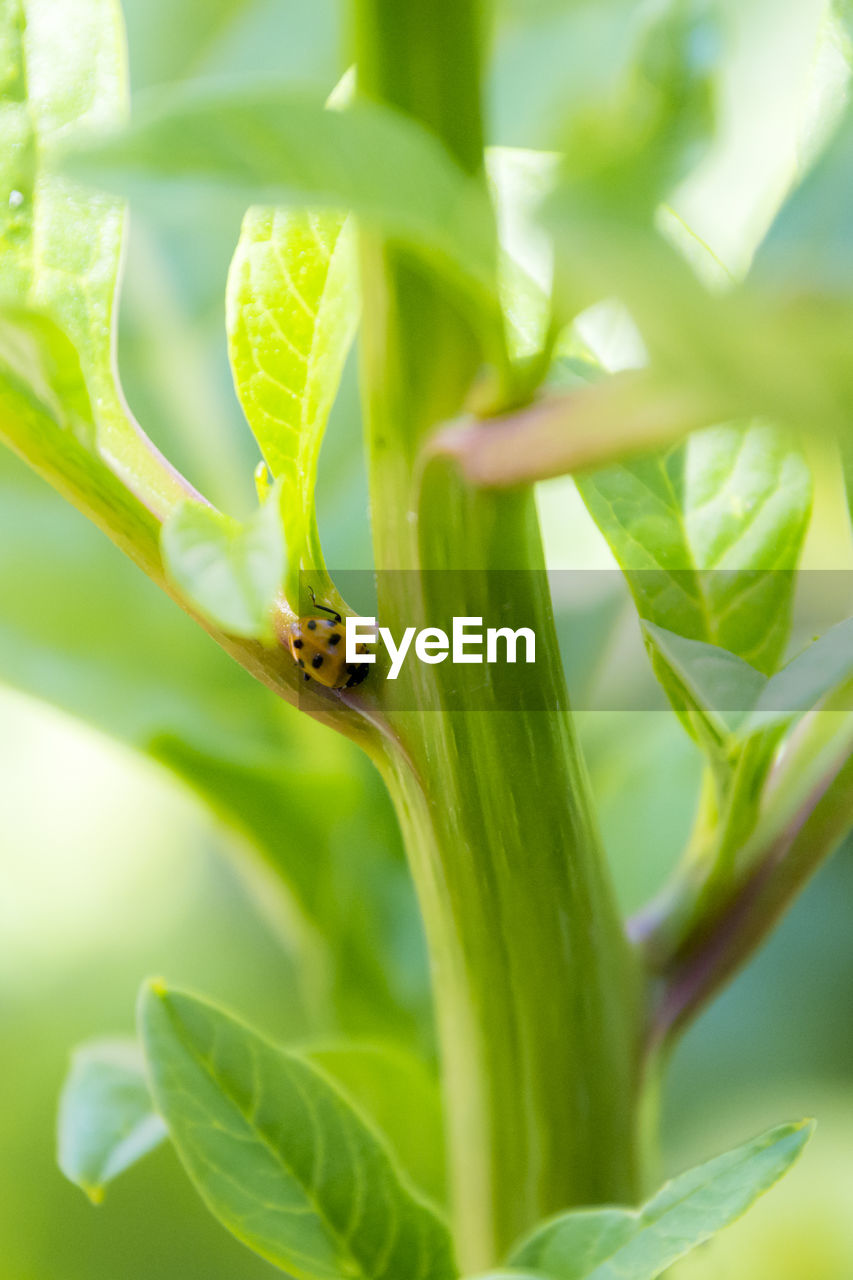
(318, 647)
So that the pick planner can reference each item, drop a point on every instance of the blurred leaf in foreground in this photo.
(107, 1120)
(270, 147)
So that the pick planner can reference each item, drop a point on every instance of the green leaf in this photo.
(718, 684)
(278, 1154)
(38, 360)
(271, 147)
(351, 904)
(779, 344)
(624, 1244)
(632, 149)
(401, 1097)
(518, 179)
(230, 572)
(552, 60)
(738, 701)
(809, 247)
(107, 1120)
(158, 683)
(715, 694)
(708, 535)
(624, 153)
(63, 66)
(291, 310)
(825, 665)
(47, 419)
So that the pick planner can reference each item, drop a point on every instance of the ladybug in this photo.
(317, 646)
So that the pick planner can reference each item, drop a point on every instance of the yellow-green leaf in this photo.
(291, 308)
(62, 66)
(229, 572)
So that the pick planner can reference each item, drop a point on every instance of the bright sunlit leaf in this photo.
(291, 309)
(47, 419)
(61, 248)
(230, 572)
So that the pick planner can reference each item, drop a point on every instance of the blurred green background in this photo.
(113, 870)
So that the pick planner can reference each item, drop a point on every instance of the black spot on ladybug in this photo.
(312, 624)
(350, 667)
(297, 644)
(335, 637)
(317, 660)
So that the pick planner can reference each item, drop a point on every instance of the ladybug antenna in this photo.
(324, 607)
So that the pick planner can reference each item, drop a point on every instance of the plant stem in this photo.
(806, 814)
(576, 431)
(536, 991)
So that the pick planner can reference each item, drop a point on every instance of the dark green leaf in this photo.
(279, 1155)
(107, 1120)
(401, 1097)
(708, 536)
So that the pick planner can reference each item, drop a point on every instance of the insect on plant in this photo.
(316, 646)
(565, 312)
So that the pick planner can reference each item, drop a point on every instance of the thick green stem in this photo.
(536, 991)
